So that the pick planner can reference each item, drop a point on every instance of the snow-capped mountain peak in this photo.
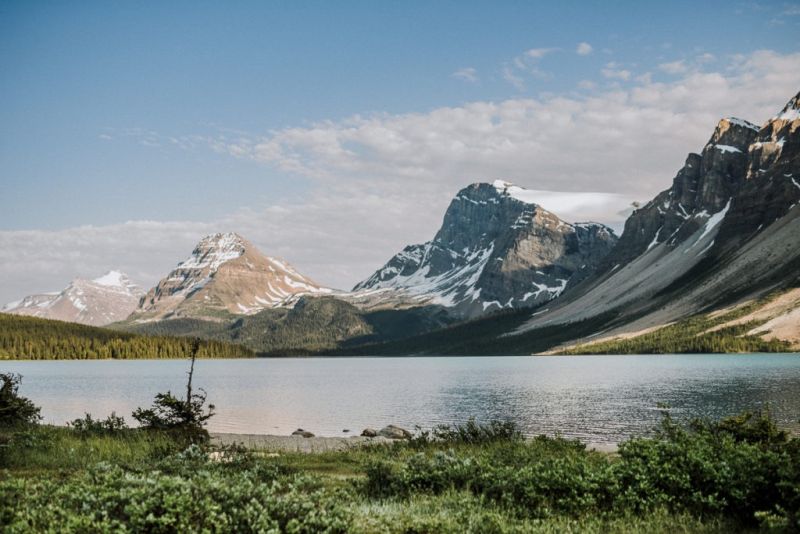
(791, 111)
(496, 248)
(225, 273)
(214, 250)
(116, 279)
(101, 301)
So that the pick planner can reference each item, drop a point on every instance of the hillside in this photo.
(313, 325)
(30, 338)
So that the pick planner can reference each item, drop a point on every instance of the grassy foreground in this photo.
(733, 475)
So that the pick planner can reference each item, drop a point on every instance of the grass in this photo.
(741, 473)
(48, 449)
(693, 335)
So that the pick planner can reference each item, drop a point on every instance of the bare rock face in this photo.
(225, 274)
(703, 187)
(496, 249)
(771, 188)
(98, 302)
(726, 230)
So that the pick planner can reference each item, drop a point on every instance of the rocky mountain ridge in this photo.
(225, 274)
(104, 300)
(725, 231)
(496, 249)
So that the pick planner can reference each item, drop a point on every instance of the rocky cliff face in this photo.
(726, 230)
(98, 302)
(496, 249)
(225, 274)
(771, 188)
(702, 188)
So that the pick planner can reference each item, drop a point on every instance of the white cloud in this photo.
(382, 181)
(612, 70)
(583, 49)
(468, 74)
(511, 77)
(705, 58)
(674, 67)
(539, 53)
(526, 64)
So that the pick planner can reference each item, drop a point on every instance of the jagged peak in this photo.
(740, 122)
(223, 239)
(113, 278)
(514, 191)
(791, 111)
(215, 249)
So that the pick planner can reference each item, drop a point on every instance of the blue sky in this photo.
(214, 113)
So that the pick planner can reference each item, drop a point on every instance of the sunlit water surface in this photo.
(600, 399)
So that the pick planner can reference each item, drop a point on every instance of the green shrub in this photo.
(110, 425)
(471, 432)
(742, 468)
(186, 418)
(15, 409)
(202, 497)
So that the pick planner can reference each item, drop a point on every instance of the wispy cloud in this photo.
(468, 74)
(381, 168)
(674, 67)
(526, 64)
(613, 70)
(511, 77)
(584, 49)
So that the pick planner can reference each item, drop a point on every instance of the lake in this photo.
(600, 399)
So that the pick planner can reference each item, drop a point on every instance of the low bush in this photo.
(15, 410)
(88, 425)
(198, 495)
(470, 433)
(742, 468)
(185, 418)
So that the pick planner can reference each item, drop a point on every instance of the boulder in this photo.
(303, 433)
(369, 433)
(394, 432)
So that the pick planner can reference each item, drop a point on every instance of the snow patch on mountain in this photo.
(98, 302)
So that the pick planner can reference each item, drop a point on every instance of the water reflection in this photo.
(596, 398)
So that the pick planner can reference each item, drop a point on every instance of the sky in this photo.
(332, 134)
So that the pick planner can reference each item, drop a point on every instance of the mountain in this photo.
(726, 232)
(496, 249)
(98, 302)
(225, 274)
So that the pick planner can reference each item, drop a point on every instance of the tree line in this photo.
(30, 338)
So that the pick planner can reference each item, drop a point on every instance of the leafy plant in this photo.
(87, 425)
(186, 417)
(470, 432)
(15, 410)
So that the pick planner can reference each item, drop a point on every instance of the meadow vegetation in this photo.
(741, 473)
(702, 333)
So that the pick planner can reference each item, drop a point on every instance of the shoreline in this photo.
(316, 444)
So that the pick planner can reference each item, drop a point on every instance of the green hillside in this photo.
(30, 338)
(314, 326)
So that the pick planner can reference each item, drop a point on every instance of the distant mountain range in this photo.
(101, 301)
(726, 233)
